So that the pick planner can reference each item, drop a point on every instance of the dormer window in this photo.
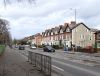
(56, 32)
(67, 30)
(51, 33)
(48, 34)
(61, 31)
(45, 34)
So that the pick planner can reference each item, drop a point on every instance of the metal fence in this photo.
(42, 62)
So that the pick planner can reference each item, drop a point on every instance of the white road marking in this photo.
(57, 68)
(78, 68)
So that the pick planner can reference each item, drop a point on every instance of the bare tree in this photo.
(5, 36)
(9, 1)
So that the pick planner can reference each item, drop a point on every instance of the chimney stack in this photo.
(73, 22)
(65, 24)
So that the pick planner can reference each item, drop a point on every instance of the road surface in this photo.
(67, 67)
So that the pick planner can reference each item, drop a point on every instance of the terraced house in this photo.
(82, 35)
(61, 35)
(69, 34)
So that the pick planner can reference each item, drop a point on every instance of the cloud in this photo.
(26, 19)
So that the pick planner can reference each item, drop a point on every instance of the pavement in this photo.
(14, 64)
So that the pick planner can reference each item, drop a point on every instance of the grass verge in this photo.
(2, 49)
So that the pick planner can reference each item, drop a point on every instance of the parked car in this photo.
(33, 47)
(16, 46)
(48, 49)
(21, 47)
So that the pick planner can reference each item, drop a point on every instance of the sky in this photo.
(28, 19)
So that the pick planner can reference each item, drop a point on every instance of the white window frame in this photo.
(81, 36)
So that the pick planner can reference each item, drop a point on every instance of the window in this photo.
(68, 37)
(62, 36)
(90, 38)
(55, 37)
(98, 35)
(48, 34)
(87, 30)
(82, 36)
(98, 45)
(51, 38)
(75, 29)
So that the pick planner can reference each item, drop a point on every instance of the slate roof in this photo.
(53, 30)
(56, 29)
(64, 27)
(97, 32)
(43, 33)
(94, 30)
(60, 27)
(72, 25)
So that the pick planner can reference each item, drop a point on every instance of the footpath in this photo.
(14, 64)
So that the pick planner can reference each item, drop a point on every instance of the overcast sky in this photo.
(26, 19)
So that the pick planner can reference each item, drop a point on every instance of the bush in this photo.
(55, 46)
(61, 47)
(88, 49)
(40, 46)
(78, 49)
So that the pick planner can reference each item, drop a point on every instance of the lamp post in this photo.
(74, 9)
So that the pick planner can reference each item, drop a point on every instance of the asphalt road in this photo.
(67, 67)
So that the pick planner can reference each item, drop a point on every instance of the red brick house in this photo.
(38, 39)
